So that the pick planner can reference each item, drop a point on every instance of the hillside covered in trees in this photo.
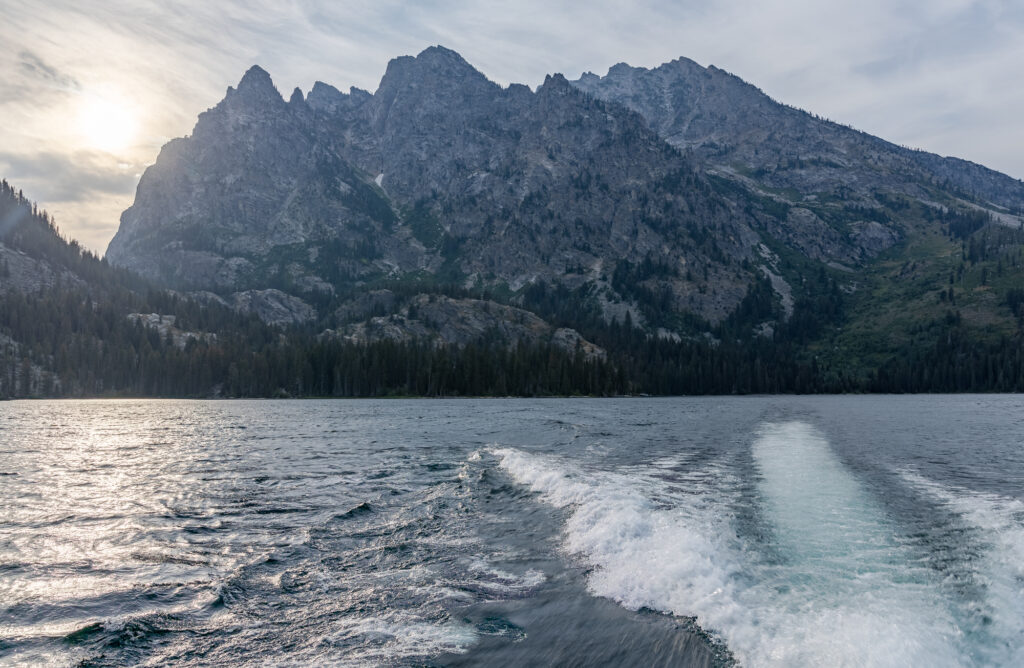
(70, 326)
(73, 326)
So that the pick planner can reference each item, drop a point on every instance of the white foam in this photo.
(505, 580)
(1000, 521)
(659, 559)
(847, 590)
(385, 639)
(844, 592)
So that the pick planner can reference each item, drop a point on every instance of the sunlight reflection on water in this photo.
(369, 532)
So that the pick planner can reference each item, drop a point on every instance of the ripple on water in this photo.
(368, 533)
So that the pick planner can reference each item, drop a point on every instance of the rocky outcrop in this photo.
(273, 307)
(872, 237)
(165, 326)
(459, 322)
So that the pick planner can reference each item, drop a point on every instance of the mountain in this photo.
(677, 206)
(71, 325)
(739, 131)
(849, 187)
(440, 175)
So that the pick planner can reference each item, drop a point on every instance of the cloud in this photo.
(37, 68)
(64, 178)
(84, 191)
(941, 75)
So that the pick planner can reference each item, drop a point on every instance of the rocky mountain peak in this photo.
(686, 64)
(555, 80)
(256, 80)
(325, 97)
(444, 58)
(434, 66)
(255, 91)
(556, 84)
(621, 69)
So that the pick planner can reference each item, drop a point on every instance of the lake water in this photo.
(768, 531)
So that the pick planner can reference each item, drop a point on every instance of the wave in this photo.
(825, 581)
(394, 637)
(847, 589)
(998, 564)
(669, 560)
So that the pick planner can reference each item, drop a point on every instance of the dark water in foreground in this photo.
(770, 531)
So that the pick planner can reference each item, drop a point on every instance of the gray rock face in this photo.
(273, 306)
(739, 130)
(440, 171)
(460, 322)
(253, 185)
(643, 184)
(873, 237)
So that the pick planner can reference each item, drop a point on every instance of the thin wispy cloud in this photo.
(35, 67)
(943, 75)
(76, 176)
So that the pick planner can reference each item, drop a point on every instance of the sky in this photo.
(90, 91)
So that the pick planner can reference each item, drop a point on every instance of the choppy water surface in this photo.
(809, 531)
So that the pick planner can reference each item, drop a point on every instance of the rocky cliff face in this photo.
(251, 198)
(440, 172)
(735, 128)
(446, 321)
(668, 194)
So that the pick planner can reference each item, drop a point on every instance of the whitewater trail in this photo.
(998, 523)
(829, 583)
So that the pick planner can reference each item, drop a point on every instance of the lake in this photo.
(764, 531)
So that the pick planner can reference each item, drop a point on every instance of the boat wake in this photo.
(995, 560)
(823, 579)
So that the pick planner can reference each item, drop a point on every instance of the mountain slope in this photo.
(736, 128)
(445, 177)
(668, 216)
(71, 325)
(441, 174)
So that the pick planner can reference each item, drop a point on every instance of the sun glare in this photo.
(106, 123)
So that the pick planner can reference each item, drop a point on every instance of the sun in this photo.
(106, 123)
